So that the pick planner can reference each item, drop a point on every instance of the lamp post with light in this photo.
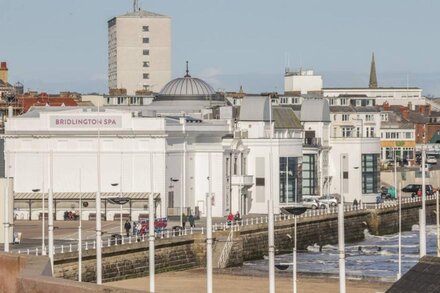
(43, 248)
(120, 206)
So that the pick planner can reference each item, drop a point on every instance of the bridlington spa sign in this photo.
(86, 121)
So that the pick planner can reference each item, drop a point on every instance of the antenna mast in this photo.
(135, 5)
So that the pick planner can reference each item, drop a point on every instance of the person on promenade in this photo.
(237, 217)
(184, 219)
(355, 203)
(134, 232)
(127, 227)
(191, 221)
(230, 218)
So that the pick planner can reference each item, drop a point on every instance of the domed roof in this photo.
(187, 86)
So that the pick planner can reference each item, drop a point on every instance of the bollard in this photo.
(108, 242)
(28, 251)
(143, 237)
(19, 252)
(87, 247)
(168, 233)
(62, 248)
(252, 221)
(191, 230)
(36, 251)
(247, 222)
(70, 247)
(261, 220)
(202, 230)
(129, 239)
(123, 240)
(94, 244)
(256, 221)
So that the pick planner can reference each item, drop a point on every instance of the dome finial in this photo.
(187, 70)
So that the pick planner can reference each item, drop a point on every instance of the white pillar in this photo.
(209, 231)
(6, 203)
(399, 193)
(98, 213)
(151, 216)
(341, 245)
(438, 224)
(295, 285)
(271, 238)
(422, 224)
(50, 210)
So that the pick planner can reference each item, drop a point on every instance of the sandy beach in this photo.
(195, 281)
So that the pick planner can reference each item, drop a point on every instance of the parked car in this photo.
(431, 159)
(328, 200)
(310, 203)
(414, 188)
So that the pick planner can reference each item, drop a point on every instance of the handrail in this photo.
(224, 256)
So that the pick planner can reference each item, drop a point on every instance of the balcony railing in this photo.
(312, 142)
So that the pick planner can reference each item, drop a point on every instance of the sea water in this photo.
(374, 257)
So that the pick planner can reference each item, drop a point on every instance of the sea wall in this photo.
(250, 242)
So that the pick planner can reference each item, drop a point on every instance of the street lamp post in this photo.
(6, 207)
(43, 248)
(80, 231)
(341, 236)
(209, 230)
(120, 207)
(296, 212)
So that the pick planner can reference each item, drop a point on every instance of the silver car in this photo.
(328, 200)
(310, 203)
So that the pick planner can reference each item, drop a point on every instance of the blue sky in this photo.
(62, 45)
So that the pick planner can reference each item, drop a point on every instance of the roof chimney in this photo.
(405, 113)
(4, 72)
(386, 106)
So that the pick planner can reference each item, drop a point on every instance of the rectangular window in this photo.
(146, 52)
(146, 87)
(368, 117)
(345, 117)
(346, 131)
(145, 40)
(290, 180)
(146, 28)
(309, 176)
(370, 173)
(235, 171)
(146, 64)
(408, 135)
(146, 75)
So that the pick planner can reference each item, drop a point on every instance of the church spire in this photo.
(373, 76)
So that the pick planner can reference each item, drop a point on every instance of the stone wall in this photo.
(31, 274)
(319, 230)
(250, 243)
(386, 221)
(131, 260)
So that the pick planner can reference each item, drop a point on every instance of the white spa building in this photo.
(188, 142)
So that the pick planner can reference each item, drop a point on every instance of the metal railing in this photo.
(224, 256)
(224, 226)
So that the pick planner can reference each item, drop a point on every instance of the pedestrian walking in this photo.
(184, 219)
(237, 217)
(191, 221)
(127, 227)
(230, 218)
